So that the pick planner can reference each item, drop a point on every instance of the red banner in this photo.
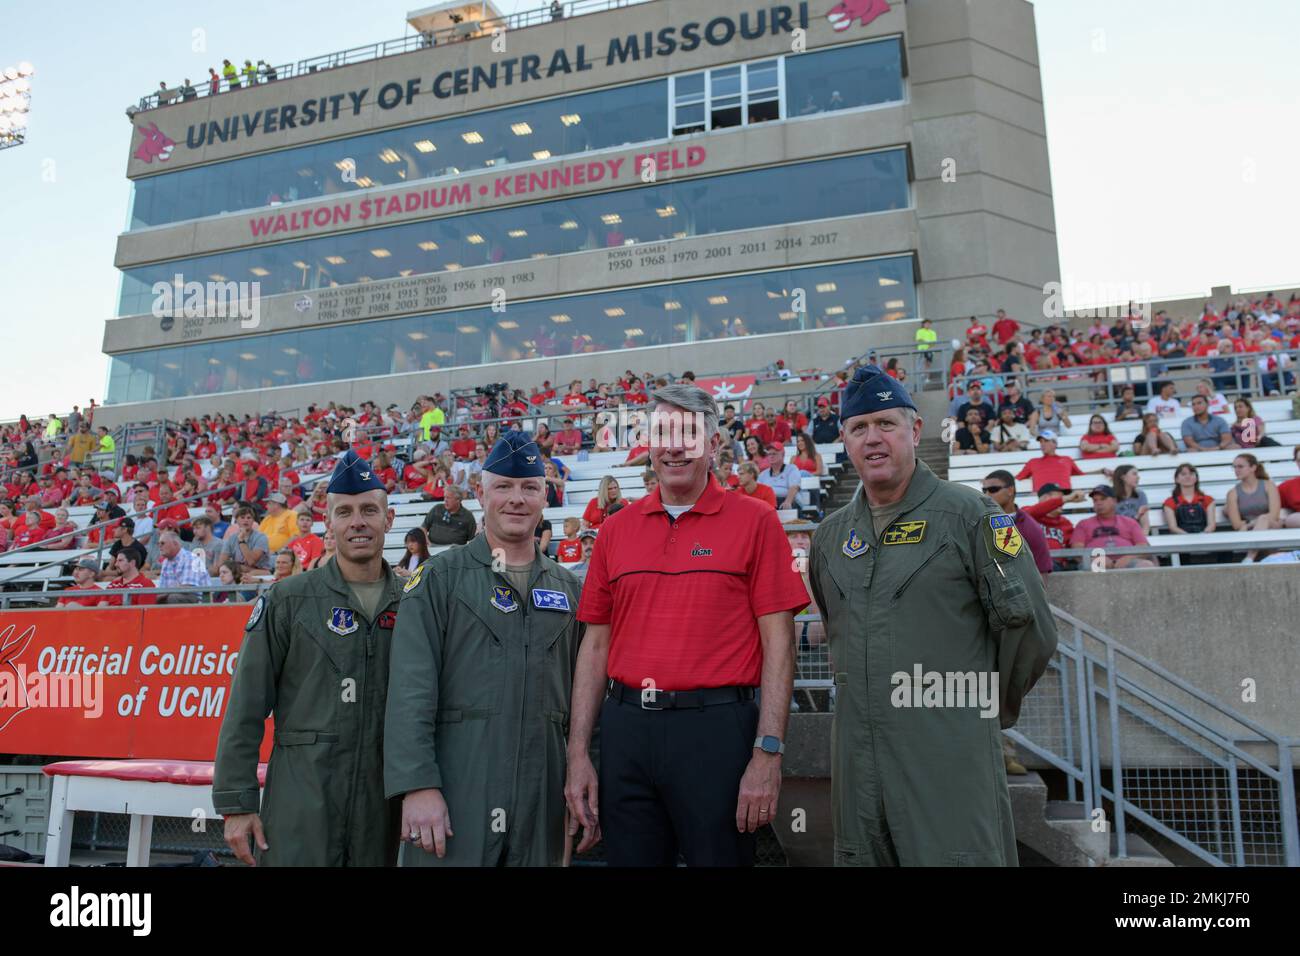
(118, 682)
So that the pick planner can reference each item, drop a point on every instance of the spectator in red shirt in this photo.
(383, 468)
(977, 334)
(463, 446)
(1097, 441)
(1005, 328)
(1049, 466)
(64, 533)
(757, 424)
(568, 440)
(778, 429)
(749, 485)
(1289, 494)
(307, 546)
(128, 576)
(569, 550)
(254, 489)
(1047, 512)
(83, 593)
(30, 531)
(289, 489)
(795, 419)
(575, 398)
(1109, 529)
(608, 500)
(169, 507)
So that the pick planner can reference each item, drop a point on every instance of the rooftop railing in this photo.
(467, 30)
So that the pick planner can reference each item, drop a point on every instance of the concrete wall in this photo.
(1213, 627)
(988, 229)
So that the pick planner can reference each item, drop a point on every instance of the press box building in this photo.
(664, 185)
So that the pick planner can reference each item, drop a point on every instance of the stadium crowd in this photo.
(251, 478)
(991, 414)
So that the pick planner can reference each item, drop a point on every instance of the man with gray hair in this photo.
(689, 603)
(181, 568)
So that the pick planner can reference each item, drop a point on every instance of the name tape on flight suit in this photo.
(904, 532)
(550, 600)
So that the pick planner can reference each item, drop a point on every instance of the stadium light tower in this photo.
(15, 101)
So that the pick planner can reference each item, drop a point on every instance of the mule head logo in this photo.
(12, 645)
(155, 145)
(844, 13)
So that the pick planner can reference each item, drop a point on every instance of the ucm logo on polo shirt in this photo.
(698, 552)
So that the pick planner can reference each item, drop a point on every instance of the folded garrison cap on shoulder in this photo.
(515, 455)
(353, 476)
(871, 390)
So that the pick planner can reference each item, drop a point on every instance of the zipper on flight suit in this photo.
(361, 733)
(924, 564)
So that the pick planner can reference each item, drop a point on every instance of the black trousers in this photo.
(669, 783)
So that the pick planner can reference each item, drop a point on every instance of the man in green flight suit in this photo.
(938, 622)
(316, 653)
(481, 674)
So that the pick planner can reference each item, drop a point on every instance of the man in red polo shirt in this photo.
(689, 603)
(1049, 467)
(129, 576)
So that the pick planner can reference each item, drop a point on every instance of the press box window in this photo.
(726, 97)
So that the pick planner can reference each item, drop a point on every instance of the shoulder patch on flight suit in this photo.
(855, 545)
(1005, 536)
(414, 580)
(258, 610)
(904, 532)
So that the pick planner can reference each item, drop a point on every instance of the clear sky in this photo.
(1171, 125)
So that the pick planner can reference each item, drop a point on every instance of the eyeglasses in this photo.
(992, 489)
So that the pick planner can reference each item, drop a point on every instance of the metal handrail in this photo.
(1176, 369)
(386, 48)
(102, 543)
(1098, 683)
(127, 594)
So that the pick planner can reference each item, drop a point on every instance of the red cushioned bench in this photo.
(144, 789)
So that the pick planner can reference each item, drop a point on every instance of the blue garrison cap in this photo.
(515, 455)
(352, 476)
(871, 390)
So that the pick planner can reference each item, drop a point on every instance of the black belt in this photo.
(653, 698)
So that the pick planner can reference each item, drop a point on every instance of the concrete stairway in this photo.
(1062, 831)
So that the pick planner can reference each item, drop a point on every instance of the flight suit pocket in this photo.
(1005, 599)
(849, 854)
(298, 738)
(957, 858)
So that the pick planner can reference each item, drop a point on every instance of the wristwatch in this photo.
(769, 745)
